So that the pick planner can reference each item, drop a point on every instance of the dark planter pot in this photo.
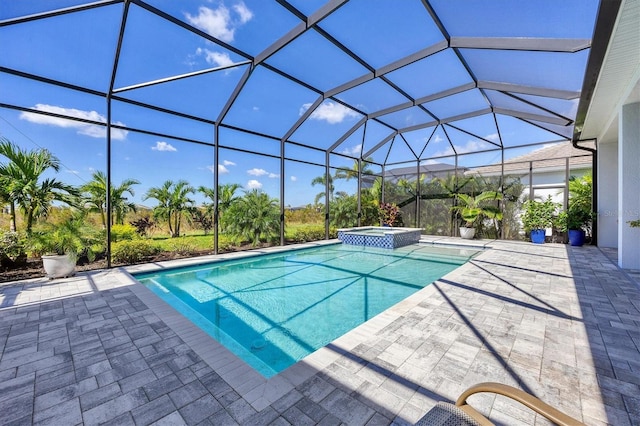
(576, 237)
(537, 236)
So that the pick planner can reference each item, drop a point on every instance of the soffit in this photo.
(618, 82)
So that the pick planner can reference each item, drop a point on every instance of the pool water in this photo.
(273, 310)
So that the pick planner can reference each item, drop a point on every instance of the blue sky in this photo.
(79, 48)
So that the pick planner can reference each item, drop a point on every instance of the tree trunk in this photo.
(171, 233)
(29, 220)
(13, 217)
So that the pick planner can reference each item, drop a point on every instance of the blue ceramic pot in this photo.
(576, 237)
(537, 236)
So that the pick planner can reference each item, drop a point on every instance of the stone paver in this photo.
(561, 322)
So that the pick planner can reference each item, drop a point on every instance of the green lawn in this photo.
(198, 242)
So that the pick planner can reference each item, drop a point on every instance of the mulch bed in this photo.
(32, 268)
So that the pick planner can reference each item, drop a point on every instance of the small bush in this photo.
(183, 246)
(132, 251)
(143, 225)
(333, 233)
(12, 246)
(308, 234)
(123, 233)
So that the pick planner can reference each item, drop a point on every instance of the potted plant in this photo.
(575, 221)
(60, 245)
(473, 209)
(579, 216)
(537, 216)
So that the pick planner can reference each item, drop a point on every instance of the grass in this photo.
(196, 241)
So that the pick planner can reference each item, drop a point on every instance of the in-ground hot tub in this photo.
(378, 236)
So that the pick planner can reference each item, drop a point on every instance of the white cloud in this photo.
(215, 22)
(257, 172)
(254, 184)
(219, 59)
(221, 169)
(438, 139)
(548, 145)
(220, 22)
(274, 175)
(228, 163)
(255, 108)
(470, 146)
(92, 130)
(353, 151)
(73, 172)
(492, 137)
(331, 112)
(293, 178)
(243, 12)
(163, 146)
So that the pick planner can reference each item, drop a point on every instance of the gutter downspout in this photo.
(594, 186)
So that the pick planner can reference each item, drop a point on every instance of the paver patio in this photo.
(558, 321)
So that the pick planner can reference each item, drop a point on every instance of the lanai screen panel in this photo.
(400, 83)
(260, 63)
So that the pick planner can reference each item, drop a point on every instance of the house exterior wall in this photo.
(629, 182)
(608, 195)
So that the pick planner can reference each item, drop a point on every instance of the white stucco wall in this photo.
(608, 195)
(629, 186)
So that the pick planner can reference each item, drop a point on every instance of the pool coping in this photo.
(257, 390)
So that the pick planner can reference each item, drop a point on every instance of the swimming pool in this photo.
(273, 310)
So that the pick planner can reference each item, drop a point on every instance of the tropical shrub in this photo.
(344, 211)
(255, 218)
(202, 220)
(389, 213)
(539, 214)
(473, 209)
(73, 237)
(579, 215)
(308, 214)
(132, 251)
(123, 232)
(142, 225)
(183, 246)
(12, 246)
(302, 235)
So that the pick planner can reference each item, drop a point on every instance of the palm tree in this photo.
(173, 203)
(96, 198)
(352, 173)
(321, 180)
(256, 217)
(24, 186)
(5, 198)
(226, 197)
